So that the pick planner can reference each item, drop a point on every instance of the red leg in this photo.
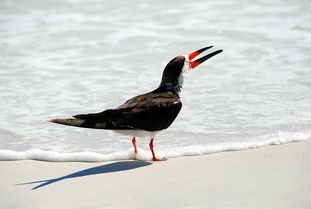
(154, 158)
(134, 144)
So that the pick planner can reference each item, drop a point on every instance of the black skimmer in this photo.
(146, 114)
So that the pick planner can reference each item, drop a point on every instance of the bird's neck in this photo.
(174, 87)
(172, 83)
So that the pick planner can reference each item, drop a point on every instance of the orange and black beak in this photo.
(192, 55)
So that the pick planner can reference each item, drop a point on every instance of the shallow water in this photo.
(61, 58)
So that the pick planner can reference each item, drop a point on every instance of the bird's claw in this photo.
(157, 159)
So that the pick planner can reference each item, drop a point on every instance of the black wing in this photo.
(150, 112)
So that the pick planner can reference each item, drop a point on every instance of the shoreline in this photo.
(128, 154)
(267, 177)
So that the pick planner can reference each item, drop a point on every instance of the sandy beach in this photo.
(274, 177)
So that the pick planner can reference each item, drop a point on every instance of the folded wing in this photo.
(150, 112)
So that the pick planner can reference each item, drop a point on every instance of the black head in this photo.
(173, 70)
(177, 68)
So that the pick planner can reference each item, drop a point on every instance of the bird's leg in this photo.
(134, 144)
(154, 158)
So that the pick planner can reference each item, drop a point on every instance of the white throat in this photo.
(184, 72)
(180, 80)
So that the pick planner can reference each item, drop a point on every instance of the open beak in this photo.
(195, 63)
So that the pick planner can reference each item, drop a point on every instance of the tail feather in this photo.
(101, 120)
(84, 123)
(69, 121)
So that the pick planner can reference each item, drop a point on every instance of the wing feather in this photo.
(148, 112)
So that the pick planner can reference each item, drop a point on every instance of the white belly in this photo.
(137, 133)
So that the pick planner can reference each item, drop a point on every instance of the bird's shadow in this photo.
(108, 168)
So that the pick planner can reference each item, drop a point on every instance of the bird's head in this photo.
(177, 68)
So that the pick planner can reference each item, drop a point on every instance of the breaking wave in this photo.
(37, 154)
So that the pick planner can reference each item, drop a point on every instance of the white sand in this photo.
(271, 177)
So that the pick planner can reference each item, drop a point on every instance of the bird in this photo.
(146, 114)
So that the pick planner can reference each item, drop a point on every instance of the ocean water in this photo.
(64, 57)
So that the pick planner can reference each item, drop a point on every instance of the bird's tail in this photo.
(92, 120)
(69, 121)
(83, 122)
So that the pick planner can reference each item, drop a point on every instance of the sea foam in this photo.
(37, 154)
